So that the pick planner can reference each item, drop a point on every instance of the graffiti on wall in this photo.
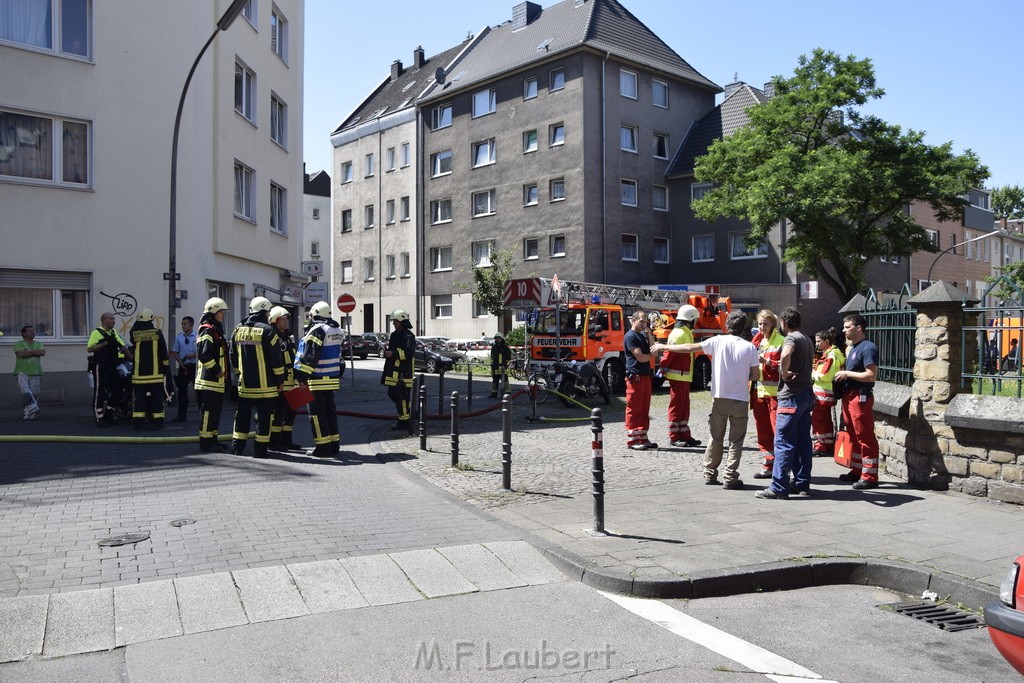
(125, 307)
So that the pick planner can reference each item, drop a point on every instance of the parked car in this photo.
(1005, 617)
(434, 356)
(356, 346)
(374, 345)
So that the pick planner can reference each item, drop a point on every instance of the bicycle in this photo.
(517, 368)
(539, 382)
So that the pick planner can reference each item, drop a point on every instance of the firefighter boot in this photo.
(260, 450)
(322, 450)
(237, 447)
(288, 444)
(275, 442)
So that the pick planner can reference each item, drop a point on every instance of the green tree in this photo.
(1008, 201)
(840, 178)
(488, 283)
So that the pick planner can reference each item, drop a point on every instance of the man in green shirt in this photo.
(28, 370)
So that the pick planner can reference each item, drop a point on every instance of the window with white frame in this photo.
(346, 271)
(403, 208)
(55, 303)
(556, 189)
(279, 34)
(531, 249)
(698, 190)
(245, 204)
(249, 12)
(485, 102)
(627, 138)
(389, 211)
(740, 250)
(952, 242)
(278, 120)
(529, 141)
(441, 116)
(556, 246)
(441, 305)
(346, 172)
(659, 93)
(389, 158)
(661, 145)
(933, 237)
(441, 163)
(389, 267)
(278, 209)
(484, 203)
(630, 250)
(530, 194)
(659, 198)
(556, 79)
(483, 153)
(346, 220)
(245, 91)
(59, 26)
(557, 134)
(660, 248)
(702, 248)
(482, 253)
(479, 310)
(406, 156)
(369, 269)
(368, 216)
(627, 192)
(441, 211)
(28, 152)
(1007, 254)
(314, 249)
(404, 261)
(369, 166)
(627, 84)
(440, 258)
(530, 88)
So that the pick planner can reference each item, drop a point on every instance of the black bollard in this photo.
(455, 429)
(469, 386)
(440, 392)
(597, 469)
(506, 442)
(423, 416)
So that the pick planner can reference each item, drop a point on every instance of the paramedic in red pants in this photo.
(637, 345)
(858, 402)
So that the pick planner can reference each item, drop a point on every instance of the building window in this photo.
(485, 102)
(481, 253)
(278, 209)
(627, 192)
(660, 198)
(660, 146)
(249, 12)
(27, 151)
(627, 138)
(479, 310)
(314, 249)
(346, 271)
(389, 211)
(441, 163)
(441, 117)
(245, 206)
(659, 93)
(952, 242)
(389, 267)
(55, 303)
(405, 154)
(245, 91)
(62, 26)
(531, 249)
(403, 208)
(279, 34)
(440, 258)
(441, 305)
(740, 250)
(556, 245)
(698, 190)
(405, 264)
(630, 251)
(346, 172)
(703, 248)
(556, 79)
(530, 194)
(530, 88)
(278, 121)
(368, 216)
(933, 237)
(529, 141)
(369, 269)
(389, 157)
(369, 167)
(557, 136)
(661, 250)
(556, 189)
(316, 214)
(484, 203)
(627, 84)
(483, 153)
(441, 211)
(346, 220)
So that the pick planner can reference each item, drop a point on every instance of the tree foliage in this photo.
(842, 179)
(1008, 201)
(488, 283)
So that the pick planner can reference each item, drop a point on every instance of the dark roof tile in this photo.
(720, 122)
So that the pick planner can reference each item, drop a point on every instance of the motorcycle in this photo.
(580, 381)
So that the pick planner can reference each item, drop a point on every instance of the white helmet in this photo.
(145, 315)
(260, 303)
(278, 312)
(321, 309)
(399, 314)
(688, 313)
(215, 304)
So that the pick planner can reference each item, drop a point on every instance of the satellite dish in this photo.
(439, 75)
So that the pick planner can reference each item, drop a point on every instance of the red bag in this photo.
(298, 397)
(843, 454)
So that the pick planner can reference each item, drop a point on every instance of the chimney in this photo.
(523, 14)
(396, 69)
(769, 89)
(417, 57)
(731, 88)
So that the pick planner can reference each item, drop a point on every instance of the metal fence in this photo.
(992, 339)
(892, 326)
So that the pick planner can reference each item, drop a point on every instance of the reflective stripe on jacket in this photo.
(824, 372)
(771, 348)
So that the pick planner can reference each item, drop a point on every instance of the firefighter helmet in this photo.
(145, 315)
(260, 303)
(215, 305)
(688, 313)
(278, 312)
(399, 314)
(321, 309)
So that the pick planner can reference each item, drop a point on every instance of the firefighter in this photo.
(108, 350)
(829, 362)
(212, 360)
(318, 366)
(284, 416)
(257, 361)
(765, 404)
(149, 348)
(677, 368)
(398, 366)
(501, 354)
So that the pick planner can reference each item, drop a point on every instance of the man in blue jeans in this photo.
(793, 448)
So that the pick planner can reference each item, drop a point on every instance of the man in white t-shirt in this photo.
(734, 364)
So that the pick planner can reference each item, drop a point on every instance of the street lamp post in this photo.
(172, 275)
(949, 249)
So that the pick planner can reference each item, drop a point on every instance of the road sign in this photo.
(314, 291)
(523, 293)
(346, 303)
(313, 268)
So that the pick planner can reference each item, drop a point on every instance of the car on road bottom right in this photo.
(1005, 617)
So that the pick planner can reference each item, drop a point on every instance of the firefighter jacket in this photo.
(150, 352)
(824, 372)
(111, 354)
(399, 367)
(678, 367)
(771, 348)
(501, 354)
(211, 356)
(288, 354)
(256, 357)
(318, 359)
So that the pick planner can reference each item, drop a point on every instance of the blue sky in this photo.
(951, 69)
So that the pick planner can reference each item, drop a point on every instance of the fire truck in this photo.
(586, 322)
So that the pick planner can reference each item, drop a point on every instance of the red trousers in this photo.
(764, 419)
(678, 410)
(859, 418)
(823, 430)
(638, 408)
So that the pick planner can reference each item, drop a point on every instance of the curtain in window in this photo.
(239, 189)
(74, 152)
(22, 306)
(27, 22)
(26, 146)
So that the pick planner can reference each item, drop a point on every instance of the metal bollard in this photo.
(597, 469)
(469, 387)
(440, 393)
(506, 442)
(423, 417)
(455, 428)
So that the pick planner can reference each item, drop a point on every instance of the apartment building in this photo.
(316, 223)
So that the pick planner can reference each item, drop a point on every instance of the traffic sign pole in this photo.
(347, 304)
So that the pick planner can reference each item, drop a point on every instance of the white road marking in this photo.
(755, 658)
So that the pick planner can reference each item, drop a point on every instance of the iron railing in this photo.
(892, 326)
(992, 339)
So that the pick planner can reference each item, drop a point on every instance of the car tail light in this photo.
(1006, 589)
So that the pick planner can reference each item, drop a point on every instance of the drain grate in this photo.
(946, 618)
(123, 539)
(182, 522)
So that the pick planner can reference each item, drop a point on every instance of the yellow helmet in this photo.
(145, 315)
(321, 309)
(260, 303)
(278, 312)
(215, 305)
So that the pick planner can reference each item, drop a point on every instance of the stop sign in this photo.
(346, 303)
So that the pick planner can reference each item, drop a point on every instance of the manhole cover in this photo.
(942, 616)
(124, 539)
(183, 522)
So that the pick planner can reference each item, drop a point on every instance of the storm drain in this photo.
(942, 616)
(124, 539)
(182, 522)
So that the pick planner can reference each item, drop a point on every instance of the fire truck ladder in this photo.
(613, 294)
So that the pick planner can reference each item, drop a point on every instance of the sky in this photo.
(950, 69)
